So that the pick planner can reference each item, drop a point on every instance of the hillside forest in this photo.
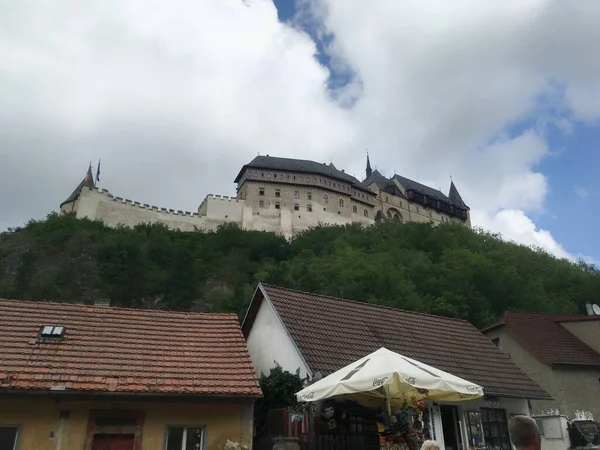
(446, 270)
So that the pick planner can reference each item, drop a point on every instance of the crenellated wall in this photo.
(98, 204)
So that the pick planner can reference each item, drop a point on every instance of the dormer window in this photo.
(52, 332)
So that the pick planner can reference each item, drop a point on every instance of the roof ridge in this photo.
(116, 308)
(358, 302)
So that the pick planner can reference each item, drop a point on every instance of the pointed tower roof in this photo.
(88, 181)
(456, 198)
(369, 171)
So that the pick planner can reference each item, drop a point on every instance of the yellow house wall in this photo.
(38, 419)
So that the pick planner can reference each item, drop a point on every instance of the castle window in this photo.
(277, 205)
(296, 194)
(261, 191)
(341, 202)
(262, 174)
(261, 203)
(315, 179)
(430, 214)
(366, 213)
(309, 195)
(325, 198)
(288, 177)
(294, 177)
(354, 209)
(275, 176)
(296, 207)
(324, 209)
(387, 199)
(418, 209)
(309, 208)
(401, 204)
(277, 193)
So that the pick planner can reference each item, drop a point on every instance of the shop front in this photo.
(475, 424)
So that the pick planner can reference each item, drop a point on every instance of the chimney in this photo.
(589, 309)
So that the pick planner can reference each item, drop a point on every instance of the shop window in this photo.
(495, 428)
(277, 193)
(474, 429)
(8, 437)
(184, 438)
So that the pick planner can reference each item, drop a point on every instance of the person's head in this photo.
(524, 433)
(430, 445)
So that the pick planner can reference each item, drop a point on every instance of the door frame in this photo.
(136, 428)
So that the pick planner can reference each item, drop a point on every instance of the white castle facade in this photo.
(284, 196)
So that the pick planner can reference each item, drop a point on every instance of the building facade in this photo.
(318, 335)
(559, 352)
(95, 378)
(284, 196)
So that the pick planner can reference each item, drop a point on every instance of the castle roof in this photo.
(303, 166)
(89, 182)
(388, 185)
(456, 198)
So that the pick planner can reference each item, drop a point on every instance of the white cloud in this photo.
(581, 192)
(515, 226)
(176, 96)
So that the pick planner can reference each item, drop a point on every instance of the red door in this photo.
(113, 442)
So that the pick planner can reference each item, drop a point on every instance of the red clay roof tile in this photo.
(124, 350)
(546, 339)
(332, 333)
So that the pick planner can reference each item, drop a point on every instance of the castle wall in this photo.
(390, 205)
(97, 204)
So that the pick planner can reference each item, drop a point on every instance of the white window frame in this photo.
(184, 437)
(18, 436)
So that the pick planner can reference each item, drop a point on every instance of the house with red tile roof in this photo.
(561, 353)
(98, 377)
(319, 335)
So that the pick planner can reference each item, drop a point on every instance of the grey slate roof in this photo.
(304, 166)
(388, 185)
(77, 191)
(456, 198)
(383, 183)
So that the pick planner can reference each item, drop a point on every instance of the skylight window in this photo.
(52, 331)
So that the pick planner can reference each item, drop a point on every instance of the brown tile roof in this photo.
(331, 333)
(546, 339)
(124, 351)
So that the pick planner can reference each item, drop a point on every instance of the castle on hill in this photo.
(284, 196)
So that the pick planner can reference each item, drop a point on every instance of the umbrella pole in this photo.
(389, 401)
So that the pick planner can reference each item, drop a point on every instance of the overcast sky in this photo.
(176, 96)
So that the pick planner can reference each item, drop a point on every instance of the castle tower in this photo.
(369, 171)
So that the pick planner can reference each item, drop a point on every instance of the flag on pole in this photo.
(98, 172)
(89, 178)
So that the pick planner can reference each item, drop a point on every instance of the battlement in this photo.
(222, 197)
(136, 204)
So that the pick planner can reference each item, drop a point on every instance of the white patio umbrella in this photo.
(386, 375)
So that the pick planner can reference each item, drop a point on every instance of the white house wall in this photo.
(270, 343)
